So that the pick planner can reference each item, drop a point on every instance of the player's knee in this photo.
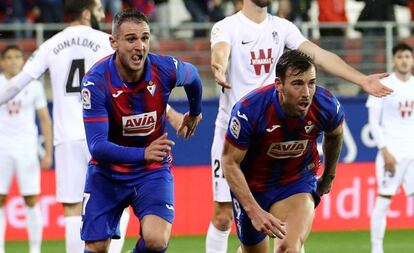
(289, 247)
(156, 243)
(96, 247)
(222, 221)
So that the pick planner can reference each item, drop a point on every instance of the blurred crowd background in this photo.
(362, 32)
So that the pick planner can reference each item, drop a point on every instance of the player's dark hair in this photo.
(8, 48)
(74, 8)
(401, 47)
(298, 61)
(127, 15)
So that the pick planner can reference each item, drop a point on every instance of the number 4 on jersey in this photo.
(77, 66)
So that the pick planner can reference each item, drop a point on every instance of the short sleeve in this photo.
(240, 130)
(294, 38)
(220, 33)
(333, 114)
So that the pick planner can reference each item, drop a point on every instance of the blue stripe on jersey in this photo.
(280, 149)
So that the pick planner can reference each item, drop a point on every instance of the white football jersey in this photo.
(18, 131)
(397, 117)
(68, 55)
(255, 50)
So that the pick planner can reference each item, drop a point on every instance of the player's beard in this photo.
(262, 3)
(95, 23)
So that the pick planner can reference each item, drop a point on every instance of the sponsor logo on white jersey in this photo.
(235, 127)
(86, 98)
(287, 149)
(273, 128)
(139, 125)
(262, 60)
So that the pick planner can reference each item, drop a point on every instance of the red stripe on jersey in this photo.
(95, 119)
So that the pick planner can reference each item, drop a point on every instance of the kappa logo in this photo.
(117, 93)
(287, 149)
(273, 128)
(139, 125)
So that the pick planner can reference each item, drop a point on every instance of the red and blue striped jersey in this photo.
(122, 118)
(280, 149)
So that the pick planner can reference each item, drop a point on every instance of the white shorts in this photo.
(221, 190)
(404, 175)
(27, 169)
(71, 159)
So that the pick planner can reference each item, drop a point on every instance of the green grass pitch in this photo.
(396, 241)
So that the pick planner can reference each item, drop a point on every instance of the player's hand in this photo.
(46, 161)
(372, 85)
(324, 185)
(266, 223)
(189, 125)
(158, 149)
(220, 75)
(389, 162)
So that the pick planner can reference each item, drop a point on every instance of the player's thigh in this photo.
(71, 159)
(7, 168)
(103, 203)
(408, 177)
(297, 211)
(28, 173)
(154, 195)
(221, 189)
(155, 229)
(387, 183)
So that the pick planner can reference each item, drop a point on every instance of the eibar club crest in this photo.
(151, 87)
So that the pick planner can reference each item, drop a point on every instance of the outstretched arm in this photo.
(220, 54)
(332, 144)
(336, 66)
(14, 86)
(261, 220)
(46, 128)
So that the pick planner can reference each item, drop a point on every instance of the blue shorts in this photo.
(247, 234)
(106, 196)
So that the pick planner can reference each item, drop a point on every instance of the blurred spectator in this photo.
(410, 5)
(111, 7)
(145, 6)
(50, 11)
(332, 11)
(15, 12)
(204, 11)
(378, 10)
(284, 9)
(300, 9)
(162, 16)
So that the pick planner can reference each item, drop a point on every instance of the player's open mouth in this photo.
(137, 58)
(303, 105)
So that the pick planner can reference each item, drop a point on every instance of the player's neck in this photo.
(126, 74)
(253, 12)
(403, 76)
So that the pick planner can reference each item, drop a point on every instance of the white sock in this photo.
(34, 228)
(116, 245)
(2, 228)
(74, 244)
(216, 241)
(378, 223)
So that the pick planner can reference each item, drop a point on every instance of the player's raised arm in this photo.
(336, 66)
(14, 86)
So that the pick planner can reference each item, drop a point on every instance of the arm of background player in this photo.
(175, 118)
(374, 118)
(46, 129)
(14, 86)
(332, 144)
(336, 66)
(261, 220)
(220, 54)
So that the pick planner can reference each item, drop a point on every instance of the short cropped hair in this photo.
(298, 61)
(74, 8)
(125, 16)
(401, 47)
(8, 48)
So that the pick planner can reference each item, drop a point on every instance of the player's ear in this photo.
(113, 42)
(86, 15)
(278, 84)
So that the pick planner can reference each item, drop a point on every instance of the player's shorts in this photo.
(107, 195)
(246, 232)
(221, 189)
(71, 160)
(404, 174)
(27, 169)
